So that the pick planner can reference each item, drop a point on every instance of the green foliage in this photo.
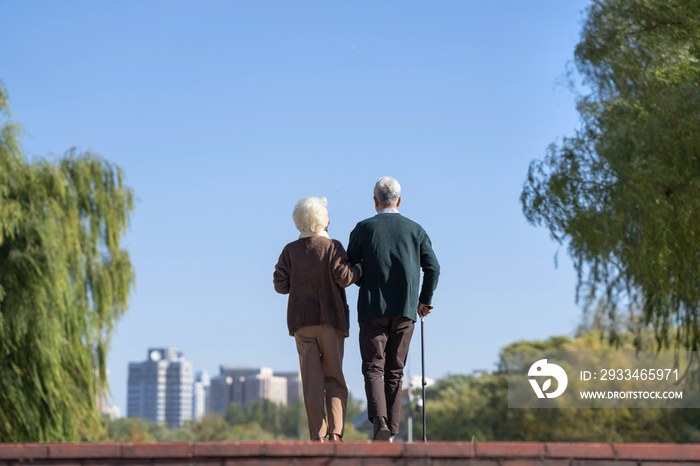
(279, 420)
(64, 281)
(213, 427)
(261, 420)
(460, 407)
(355, 407)
(624, 192)
(352, 435)
(133, 429)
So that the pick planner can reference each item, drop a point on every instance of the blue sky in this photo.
(224, 113)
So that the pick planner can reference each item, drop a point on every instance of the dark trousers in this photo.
(384, 347)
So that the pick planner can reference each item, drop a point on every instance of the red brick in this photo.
(462, 462)
(184, 462)
(368, 449)
(478, 462)
(319, 461)
(659, 452)
(242, 462)
(299, 449)
(652, 463)
(227, 449)
(579, 450)
(547, 462)
(345, 462)
(258, 462)
(518, 462)
(384, 461)
(47, 463)
(509, 450)
(22, 451)
(157, 450)
(116, 462)
(603, 463)
(84, 450)
(390, 461)
(439, 450)
(414, 462)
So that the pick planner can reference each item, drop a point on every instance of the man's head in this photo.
(310, 215)
(387, 193)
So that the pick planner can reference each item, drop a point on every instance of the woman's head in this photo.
(310, 215)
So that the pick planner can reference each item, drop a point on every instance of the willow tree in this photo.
(623, 193)
(64, 281)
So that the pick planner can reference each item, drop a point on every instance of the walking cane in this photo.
(422, 364)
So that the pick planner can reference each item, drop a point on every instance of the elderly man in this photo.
(393, 250)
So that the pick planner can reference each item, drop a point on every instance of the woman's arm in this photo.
(344, 274)
(281, 276)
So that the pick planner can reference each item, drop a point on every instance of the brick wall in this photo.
(350, 454)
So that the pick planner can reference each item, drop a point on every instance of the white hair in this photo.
(310, 214)
(387, 191)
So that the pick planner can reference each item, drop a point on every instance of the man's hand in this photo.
(424, 309)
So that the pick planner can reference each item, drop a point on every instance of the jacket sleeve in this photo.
(344, 273)
(281, 276)
(431, 270)
(355, 251)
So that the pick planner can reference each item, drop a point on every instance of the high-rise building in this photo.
(202, 395)
(160, 388)
(103, 406)
(227, 387)
(294, 388)
(243, 385)
(265, 387)
(220, 391)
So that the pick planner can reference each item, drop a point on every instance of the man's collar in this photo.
(389, 210)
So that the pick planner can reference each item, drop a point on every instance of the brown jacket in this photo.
(314, 272)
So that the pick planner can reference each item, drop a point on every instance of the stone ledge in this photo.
(477, 453)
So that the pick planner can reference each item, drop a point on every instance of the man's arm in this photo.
(431, 272)
(355, 251)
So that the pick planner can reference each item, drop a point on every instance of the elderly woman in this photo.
(314, 270)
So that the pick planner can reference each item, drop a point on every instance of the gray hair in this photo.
(387, 191)
(310, 214)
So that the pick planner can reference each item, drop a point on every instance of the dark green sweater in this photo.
(392, 249)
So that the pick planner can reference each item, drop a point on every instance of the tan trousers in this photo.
(321, 361)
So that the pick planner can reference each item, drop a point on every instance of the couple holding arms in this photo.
(384, 258)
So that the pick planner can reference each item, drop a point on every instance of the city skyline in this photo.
(163, 389)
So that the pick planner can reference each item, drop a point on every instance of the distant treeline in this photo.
(459, 408)
(462, 407)
(260, 420)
